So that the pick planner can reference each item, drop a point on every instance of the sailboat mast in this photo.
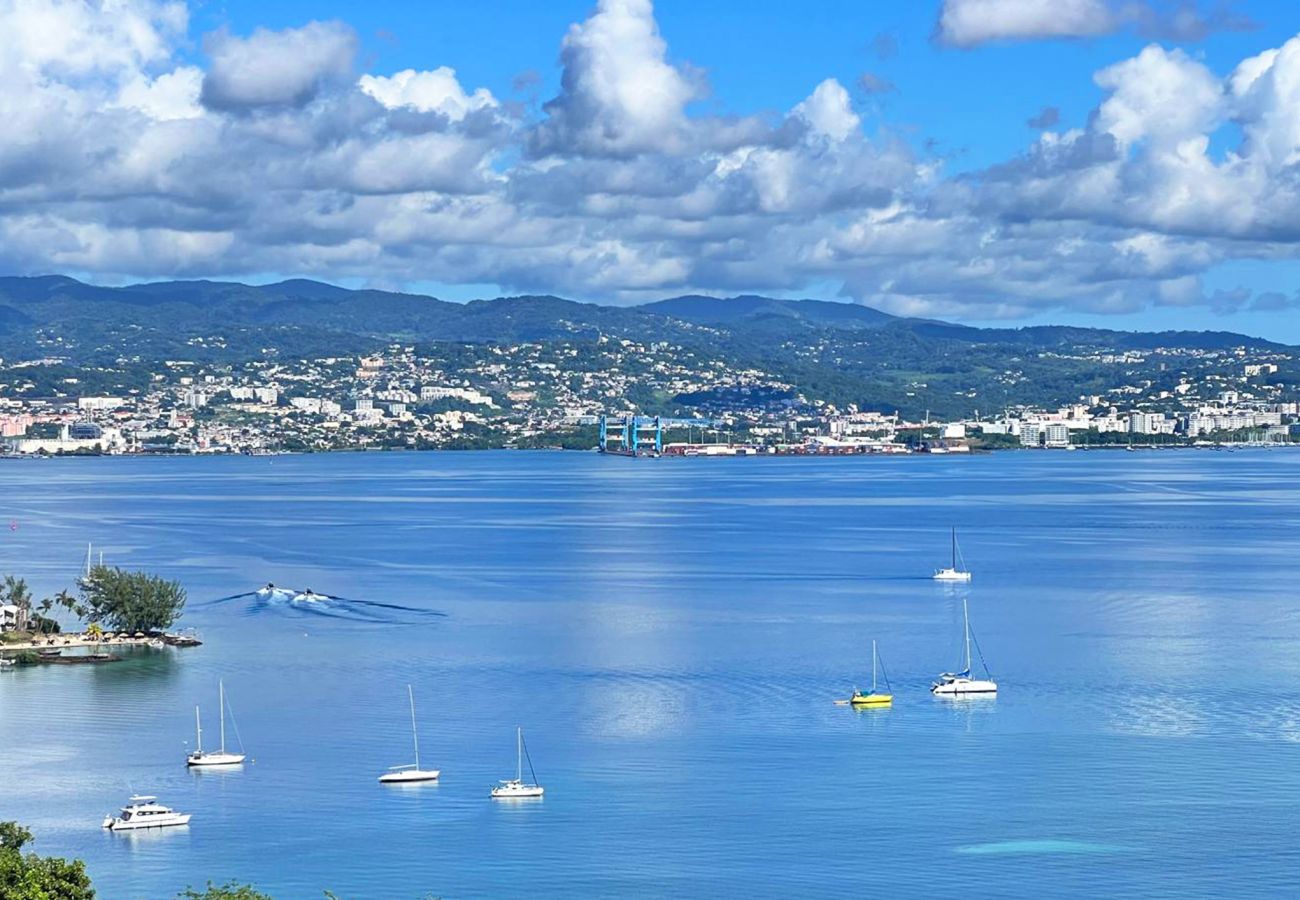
(954, 548)
(873, 667)
(965, 616)
(415, 737)
(221, 708)
(519, 753)
(198, 731)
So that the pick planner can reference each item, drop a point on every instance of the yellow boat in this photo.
(873, 698)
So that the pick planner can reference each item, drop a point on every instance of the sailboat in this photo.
(961, 684)
(214, 757)
(873, 698)
(953, 572)
(516, 787)
(408, 774)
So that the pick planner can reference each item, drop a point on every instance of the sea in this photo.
(672, 635)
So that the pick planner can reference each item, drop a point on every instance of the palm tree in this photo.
(46, 605)
(95, 632)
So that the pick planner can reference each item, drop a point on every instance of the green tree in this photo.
(32, 877)
(130, 601)
(14, 591)
(229, 891)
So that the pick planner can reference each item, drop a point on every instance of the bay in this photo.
(671, 635)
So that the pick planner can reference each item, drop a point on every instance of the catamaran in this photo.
(953, 572)
(145, 812)
(515, 787)
(874, 698)
(960, 684)
(409, 773)
(214, 757)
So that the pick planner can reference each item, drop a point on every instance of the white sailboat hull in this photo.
(951, 575)
(409, 776)
(214, 759)
(964, 687)
(512, 790)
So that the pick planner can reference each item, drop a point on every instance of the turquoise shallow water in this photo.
(671, 635)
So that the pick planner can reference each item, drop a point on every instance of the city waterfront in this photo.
(671, 634)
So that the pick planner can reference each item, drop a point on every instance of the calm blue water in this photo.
(671, 635)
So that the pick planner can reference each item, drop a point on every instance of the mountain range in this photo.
(304, 312)
(114, 338)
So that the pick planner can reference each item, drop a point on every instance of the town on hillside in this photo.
(575, 395)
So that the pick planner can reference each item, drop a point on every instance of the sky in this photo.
(1121, 163)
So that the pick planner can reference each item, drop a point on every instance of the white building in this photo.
(100, 403)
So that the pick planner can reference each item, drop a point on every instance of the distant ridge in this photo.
(177, 311)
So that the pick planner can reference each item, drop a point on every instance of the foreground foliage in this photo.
(27, 876)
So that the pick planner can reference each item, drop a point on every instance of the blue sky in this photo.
(682, 147)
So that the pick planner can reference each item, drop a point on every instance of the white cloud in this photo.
(276, 68)
(967, 23)
(121, 157)
(970, 23)
(829, 111)
(619, 95)
(433, 91)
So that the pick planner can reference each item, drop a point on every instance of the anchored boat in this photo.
(215, 757)
(961, 684)
(874, 698)
(145, 812)
(408, 774)
(515, 788)
(957, 570)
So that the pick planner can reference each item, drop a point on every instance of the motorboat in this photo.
(956, 571)
(222, 757)
(517, 788)
(874, 697)
(145, 812)
(961, 684)
(409, 774)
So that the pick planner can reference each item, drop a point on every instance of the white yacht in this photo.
(220, 757)
(515, 787)
(409, 774)
(961, 684)
(145, 812)
(957, 570)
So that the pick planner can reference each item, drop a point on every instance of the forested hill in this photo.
(102, 338)
(297, 314)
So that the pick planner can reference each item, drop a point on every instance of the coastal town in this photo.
(578, 395)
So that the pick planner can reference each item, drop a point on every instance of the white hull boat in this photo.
(145, 812)
(410, 774)
(198, 758)
(961, 684)
(515, 788)
(956, 571)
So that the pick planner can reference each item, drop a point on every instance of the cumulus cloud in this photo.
(434, 91)
(275, 68)
(124, 157)
(619, 95)
(969, 23)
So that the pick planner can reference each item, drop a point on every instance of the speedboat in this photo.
(516, 788)
(961, 684)
(145, 812)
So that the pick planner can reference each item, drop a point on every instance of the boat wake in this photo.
(290, 601)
